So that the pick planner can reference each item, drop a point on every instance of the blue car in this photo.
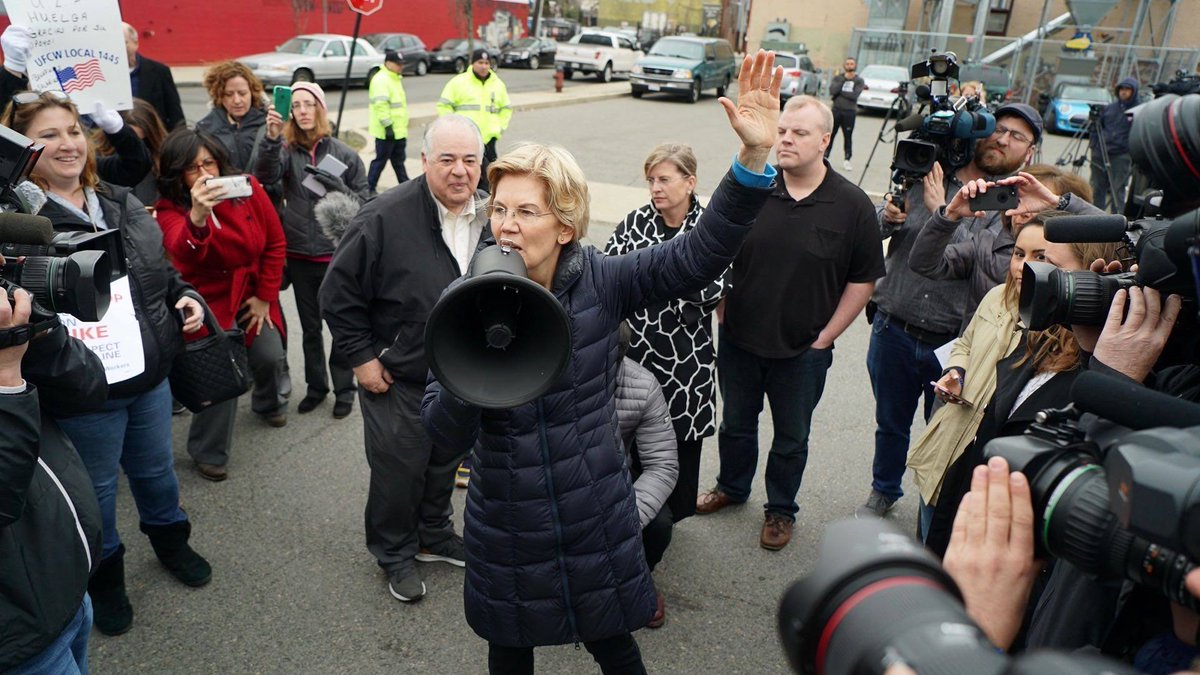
(1067, 110)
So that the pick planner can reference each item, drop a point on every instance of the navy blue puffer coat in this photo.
(554, 550)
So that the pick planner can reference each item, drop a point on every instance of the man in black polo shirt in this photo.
(803, 274)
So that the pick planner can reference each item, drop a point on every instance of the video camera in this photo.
(947, 134)
(1165, 142)
(877, 599)
(1182, 85)
(65, 271)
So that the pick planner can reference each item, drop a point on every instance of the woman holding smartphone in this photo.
(306, 140)
(133, 430)
(231, 250)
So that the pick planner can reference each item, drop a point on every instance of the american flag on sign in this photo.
(80, 76)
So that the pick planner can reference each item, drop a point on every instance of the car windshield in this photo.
(786, 60)
(1084, 93)
(890, 73)
(298, 45)
(524, 43)
(450, 45)
(678, 48)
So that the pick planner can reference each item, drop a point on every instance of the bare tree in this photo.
(466, 9)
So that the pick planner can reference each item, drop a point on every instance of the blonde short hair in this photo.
(805, 101)
(676, 153)
(564, 182)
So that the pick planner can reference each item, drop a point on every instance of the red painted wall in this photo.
(187, 32)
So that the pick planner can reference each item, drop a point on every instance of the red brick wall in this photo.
(188, 32)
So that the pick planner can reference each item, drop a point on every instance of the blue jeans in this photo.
(67, 655)
(901, 368)
(793, 388)
(133, 434)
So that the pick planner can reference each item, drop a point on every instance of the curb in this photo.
(535, 105)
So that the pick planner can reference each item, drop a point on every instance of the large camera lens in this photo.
(876, 598)
(77, 284)
(915, 157)
(1051, 296)
(1165, 142)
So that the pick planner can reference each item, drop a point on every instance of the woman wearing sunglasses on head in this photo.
(133, 431)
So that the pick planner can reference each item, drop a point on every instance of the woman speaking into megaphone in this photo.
(554, 553)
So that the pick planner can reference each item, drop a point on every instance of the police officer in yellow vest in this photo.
(389, 119)
(479, 95)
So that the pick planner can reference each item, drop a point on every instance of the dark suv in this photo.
(410, 48)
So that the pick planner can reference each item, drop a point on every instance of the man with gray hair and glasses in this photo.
(400, 252)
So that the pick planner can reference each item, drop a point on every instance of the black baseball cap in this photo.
(393, 56)
(1025, 112)
(480, 54)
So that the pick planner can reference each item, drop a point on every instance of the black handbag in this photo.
(212, 369)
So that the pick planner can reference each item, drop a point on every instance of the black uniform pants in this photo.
(408, 501)
(489, 156)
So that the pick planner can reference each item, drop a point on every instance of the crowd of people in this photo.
(572, 497)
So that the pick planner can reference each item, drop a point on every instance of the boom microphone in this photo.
(1131, 405)
(910, 123)
(1085, 229)
(21, 228)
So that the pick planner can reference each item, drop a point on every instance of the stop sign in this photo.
(365, 7)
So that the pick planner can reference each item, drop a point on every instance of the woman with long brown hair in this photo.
(239, 111)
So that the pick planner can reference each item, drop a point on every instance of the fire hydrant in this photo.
(558, 78)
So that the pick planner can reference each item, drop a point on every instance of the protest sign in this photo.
(78, 48)
(116, 338)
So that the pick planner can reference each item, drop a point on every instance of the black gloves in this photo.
(331, 182)
(389, 133)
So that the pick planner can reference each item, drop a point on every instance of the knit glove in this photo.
(108, 121)
(389, 133)
(16, 42)
(331, 182)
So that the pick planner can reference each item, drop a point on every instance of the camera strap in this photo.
(15, 335)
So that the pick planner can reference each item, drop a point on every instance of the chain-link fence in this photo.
(1033, 66)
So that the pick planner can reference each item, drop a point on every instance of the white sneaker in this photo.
(847, 165)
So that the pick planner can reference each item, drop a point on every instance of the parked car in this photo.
(1067, 110)
(800, 76)
(600, 52)
(316, 57)
(997, 83)
(685, 66)
(409, 47)
(882, 87)
(533, 53)
(454, 55)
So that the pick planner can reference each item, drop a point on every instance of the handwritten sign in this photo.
(78, 48)
(116, 338)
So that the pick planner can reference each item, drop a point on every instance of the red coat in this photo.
(243, 258)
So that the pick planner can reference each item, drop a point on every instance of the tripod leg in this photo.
(882, 130)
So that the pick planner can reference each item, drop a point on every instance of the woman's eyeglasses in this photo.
(304, 105)
(208, 166)
(27, 97)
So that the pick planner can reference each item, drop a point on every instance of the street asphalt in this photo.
(294, 589)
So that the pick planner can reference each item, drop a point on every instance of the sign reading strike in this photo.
(365, 7)
(78, 48)
(116, 338)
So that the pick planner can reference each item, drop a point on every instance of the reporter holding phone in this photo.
(231, 250)
(133, 429)
(304, 141)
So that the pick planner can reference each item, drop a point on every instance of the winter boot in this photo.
(110, 606)
(170, 544)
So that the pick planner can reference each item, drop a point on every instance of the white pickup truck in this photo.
(597, 52)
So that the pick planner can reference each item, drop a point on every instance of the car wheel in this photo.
(567, 73)
(422, 68)
(636, 93)
(725, 86)
(460, 65)
(606, 74)
(534, 63)
(302, 75)
(694, 92)
(370, 76)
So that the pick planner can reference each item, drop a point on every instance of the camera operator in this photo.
(1109, 140)
(915, 315)
(49, 517)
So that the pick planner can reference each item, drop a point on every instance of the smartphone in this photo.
(997, 198)
(950, 397)
(283, 101)
(235, 186)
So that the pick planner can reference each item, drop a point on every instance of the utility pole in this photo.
(537, 18)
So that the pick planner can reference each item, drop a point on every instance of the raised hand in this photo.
(755, 116)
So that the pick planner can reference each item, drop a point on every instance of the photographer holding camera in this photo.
(1111, 163)
(49, 518)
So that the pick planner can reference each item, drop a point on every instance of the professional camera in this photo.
(1182, 85)
(877, 599)
(64, 272)
(1165, 142)
(947, 134)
